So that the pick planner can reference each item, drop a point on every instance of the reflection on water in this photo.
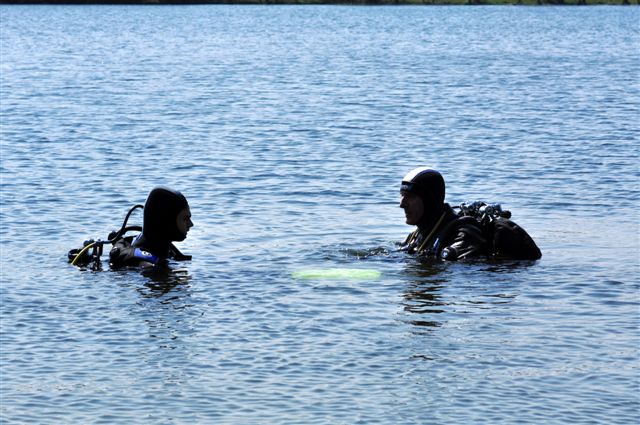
(505, 266)
(161, 280)
(167, 308)
(450, 289)
(422, 295)
(156, 281)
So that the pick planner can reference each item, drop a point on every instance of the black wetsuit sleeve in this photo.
(465, 241)
(123, 254)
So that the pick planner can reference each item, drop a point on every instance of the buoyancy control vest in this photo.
(125, 253)
(475, 230)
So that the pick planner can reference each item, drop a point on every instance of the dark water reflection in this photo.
(428, 292)
(161, 280)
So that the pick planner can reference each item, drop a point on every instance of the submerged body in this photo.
(167, 218)
(444, 234)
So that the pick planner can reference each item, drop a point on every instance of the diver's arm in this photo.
(468, 242)
(123, 254)
(175, 253)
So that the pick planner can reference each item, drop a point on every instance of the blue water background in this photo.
(289, 129)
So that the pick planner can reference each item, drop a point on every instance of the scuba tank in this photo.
(506, 239)
(89, 254)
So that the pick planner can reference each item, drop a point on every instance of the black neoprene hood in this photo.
(428, 184)
(160, 212)
(425, 182)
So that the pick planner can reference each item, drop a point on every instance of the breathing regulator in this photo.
(483, 212)
(89, 254)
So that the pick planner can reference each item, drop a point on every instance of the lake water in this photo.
(289, 129)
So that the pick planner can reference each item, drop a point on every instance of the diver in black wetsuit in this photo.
(167, 218)
(442, 233)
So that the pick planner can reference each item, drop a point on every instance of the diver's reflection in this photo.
(162, 280)
(167, 307)
(422, 295)
(469, 286)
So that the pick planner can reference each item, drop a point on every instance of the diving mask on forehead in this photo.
(406, 187)
(426, 183)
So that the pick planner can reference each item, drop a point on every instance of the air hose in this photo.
(76, 254)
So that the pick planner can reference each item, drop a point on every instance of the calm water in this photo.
(289, 129)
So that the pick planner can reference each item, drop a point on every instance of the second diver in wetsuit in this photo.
(442, 233)
(167, 218)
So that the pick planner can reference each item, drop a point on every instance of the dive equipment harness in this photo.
(92, 249)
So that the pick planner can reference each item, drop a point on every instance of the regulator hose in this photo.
(113, 237)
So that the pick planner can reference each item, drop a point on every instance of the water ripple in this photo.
(288, 130)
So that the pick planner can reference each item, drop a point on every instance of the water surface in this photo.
(289, 129)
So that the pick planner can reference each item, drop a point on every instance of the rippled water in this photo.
(288, 129)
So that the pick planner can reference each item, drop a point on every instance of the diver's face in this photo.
(183, 221)
(413, 207)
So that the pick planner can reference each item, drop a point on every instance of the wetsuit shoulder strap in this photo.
(426, 240)
(411, 237)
